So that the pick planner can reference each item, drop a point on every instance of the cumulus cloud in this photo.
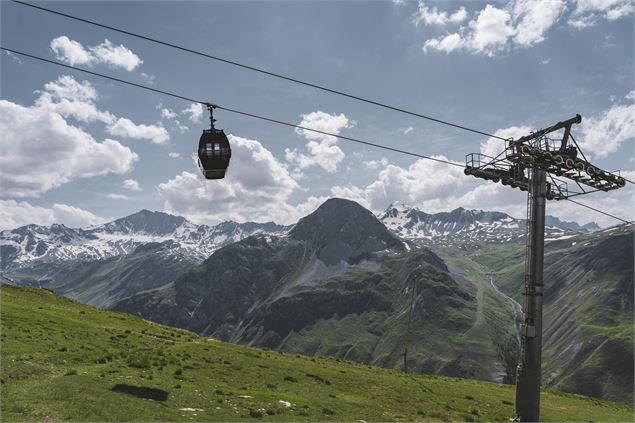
(71, 98)
(174, 155)
(257, 186)
(432, 16)
(589, 12)
(534, 18)
(322, 149)
(493, 146)
(117, 196)
(14, 214)
(132, 185)
(446, 43)
(422, 181)
(168, 114)
(41, 151)
(128, 129)
(521, 23)
(603, 134)
(375, 164)
(74, 53)
(194, 112)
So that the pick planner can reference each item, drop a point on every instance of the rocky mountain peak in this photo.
(342, 229)
(146, 221)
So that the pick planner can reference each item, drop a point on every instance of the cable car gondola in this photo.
(214, 151)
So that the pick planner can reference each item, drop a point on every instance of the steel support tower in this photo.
(530, 164)
(528, 372)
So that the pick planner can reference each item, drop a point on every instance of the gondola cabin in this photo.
(214, 152)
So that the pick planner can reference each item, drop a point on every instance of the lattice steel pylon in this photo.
(531, 164)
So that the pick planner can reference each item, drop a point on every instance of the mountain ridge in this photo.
(468, 228)
(58, 242)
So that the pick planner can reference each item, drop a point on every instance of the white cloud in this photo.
(174, 155)
(171, 116)
(423, 181)
(376, 164)
(41, 151)
(71, 98)
(117, 196)
(490, 30)
(74, 53)
(534, 19)
(588, 12)
(429, 16)
(493, 146)
(194, 112)
(447, 43)
(128, 129)
(604, 134)
(71, 51)
(322, 149)
(168, 114)
(132, 185)
(257, 186)
(521, 23)
(408, 130)
(14, 214)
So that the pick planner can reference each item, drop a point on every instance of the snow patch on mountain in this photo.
(465, 227)
(123, 236)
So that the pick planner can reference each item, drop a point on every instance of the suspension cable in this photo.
(264, 118)
(255, 69)
(231, 110)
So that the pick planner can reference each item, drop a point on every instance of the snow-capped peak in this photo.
(123, 236)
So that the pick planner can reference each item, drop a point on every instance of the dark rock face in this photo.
(146, 221)
(342, 230)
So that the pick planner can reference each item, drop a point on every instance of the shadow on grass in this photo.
(142, 392)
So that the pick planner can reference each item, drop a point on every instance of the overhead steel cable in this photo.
(206, 103)
(256, 69)
(599, 211)
(228, 109)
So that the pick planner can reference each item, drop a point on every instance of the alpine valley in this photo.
(437, 293)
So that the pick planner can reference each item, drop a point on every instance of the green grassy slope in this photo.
(62, 359)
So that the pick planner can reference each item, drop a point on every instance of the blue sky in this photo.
(79, 150)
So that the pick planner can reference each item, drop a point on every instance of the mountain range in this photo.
(436, 293)
(339, 283)
(469, 227)
(59, 243)
(120, 237)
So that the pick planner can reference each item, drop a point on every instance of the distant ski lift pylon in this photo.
(214, 151)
